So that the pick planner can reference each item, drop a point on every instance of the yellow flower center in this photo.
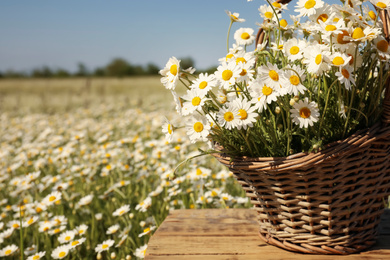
(31, 220)
(280, 47)
(372, 15)
(198, 127)
(173, 69)
(143, 252)
(267, 90)
(15, 225)
(338, 61)
(294, 50)
(170, 129)
(330, 28)
(67, 238)
(9, 251)
(227, 74)
(268, 15)
(340, 37)
(52, 198)
(310, 4)
(245, 36)
(45, 229)
(243, 114)
(304, 112)
(345, 73)
(358, 33)
(382, 45)
(277, 5)
(57, 230)
(273, 75)
(322, 17)
(36, 257)
(229, 56)
(203, 85)
(146, 230)
(214, 193)
(318, 59)
(243, 72)
(283, 23)
(196, 101)
(104, 246)
(198, 172)
(75, 243)
(62, 254)
(81, 231)
(240, 59)
(351, 61)
(381, 5)
(228, 116)
(294, 79)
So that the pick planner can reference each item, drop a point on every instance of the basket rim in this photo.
(357, 140)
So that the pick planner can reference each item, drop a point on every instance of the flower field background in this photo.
(85, 168)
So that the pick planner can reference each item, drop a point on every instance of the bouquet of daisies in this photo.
(314, 79)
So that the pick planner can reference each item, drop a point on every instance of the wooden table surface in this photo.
(232, 234)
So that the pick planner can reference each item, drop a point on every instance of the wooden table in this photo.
(232, 234)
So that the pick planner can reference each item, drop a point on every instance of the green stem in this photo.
(228, 35)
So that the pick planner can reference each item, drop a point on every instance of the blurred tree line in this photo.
(118, 67)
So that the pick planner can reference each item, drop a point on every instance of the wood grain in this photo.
(233, 234)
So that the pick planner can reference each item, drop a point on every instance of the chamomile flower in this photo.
(338, 59)
(60, 252)
(45, 226)
(194, 100)
(294, 48)
(170, 73)
(244, 36)
(178, 102)
(246, 112)
(262, 95)
(234, 17)
(8, 250)
(367, 34)
(147, 231)
(305, 113)
(167, 129)
(140, 252)
(308, 7)
(228, 116)
(121, 211)
(267, 13)
(270, 75)
(329, 27)
(77, 242)
(246, 73)
(112, 229)
(204, 82)
(29, 221)
(37, 256)
(345, 76)
(66, 237)
(381, 4)
(84, 201)
(294, 76)
(245, 57)
(382, 46)
(144, 205)
(105, 246)
(52, 198)
(227, 73)
(315, 59)
(198, 128)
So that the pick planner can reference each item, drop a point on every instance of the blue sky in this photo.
(62, 33)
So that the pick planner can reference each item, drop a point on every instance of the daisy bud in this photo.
(131, 215)
(277, 110)
(99, 256)
(358, 91)
(113, 255)
(142, 223)
(292, 102)
(267, 121)
(291, 151)
(296, 98)
(128, 257)
(315, 147)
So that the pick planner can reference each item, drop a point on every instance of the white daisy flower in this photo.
(178, 102)
(294, 48)
(228, 116)
(345, 76)
(121, 211)
(204, 82)
(147, 231)
(30, 220)
(246, 73)
(170, 73)
(382, 46)
(314, 59)
(330, 27)
(245, 57)
(37, 256)
(244, 36)
(60, 252)
(113, 229)
(194, 100)
(140, 252)
(270, 75)
(52, 198)
(263, 95)
(144, 205)
(198, 128)
(104, 246)
(381, 4)
(167, 129)
(234, 17)
(81, 230)
(86, 200)
(66, 237)
(294, 76)
(8, 250)
(246, 113)
(77, 242)
(338, 59)
(267, 13)
(227, 73)
(367, 34)
(45, 226)
(308, 7)
(305, 113)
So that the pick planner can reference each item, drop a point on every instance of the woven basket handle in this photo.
(384, 16)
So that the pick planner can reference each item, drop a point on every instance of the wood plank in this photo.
(232, 234)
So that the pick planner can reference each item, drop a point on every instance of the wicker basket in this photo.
(328, 202)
